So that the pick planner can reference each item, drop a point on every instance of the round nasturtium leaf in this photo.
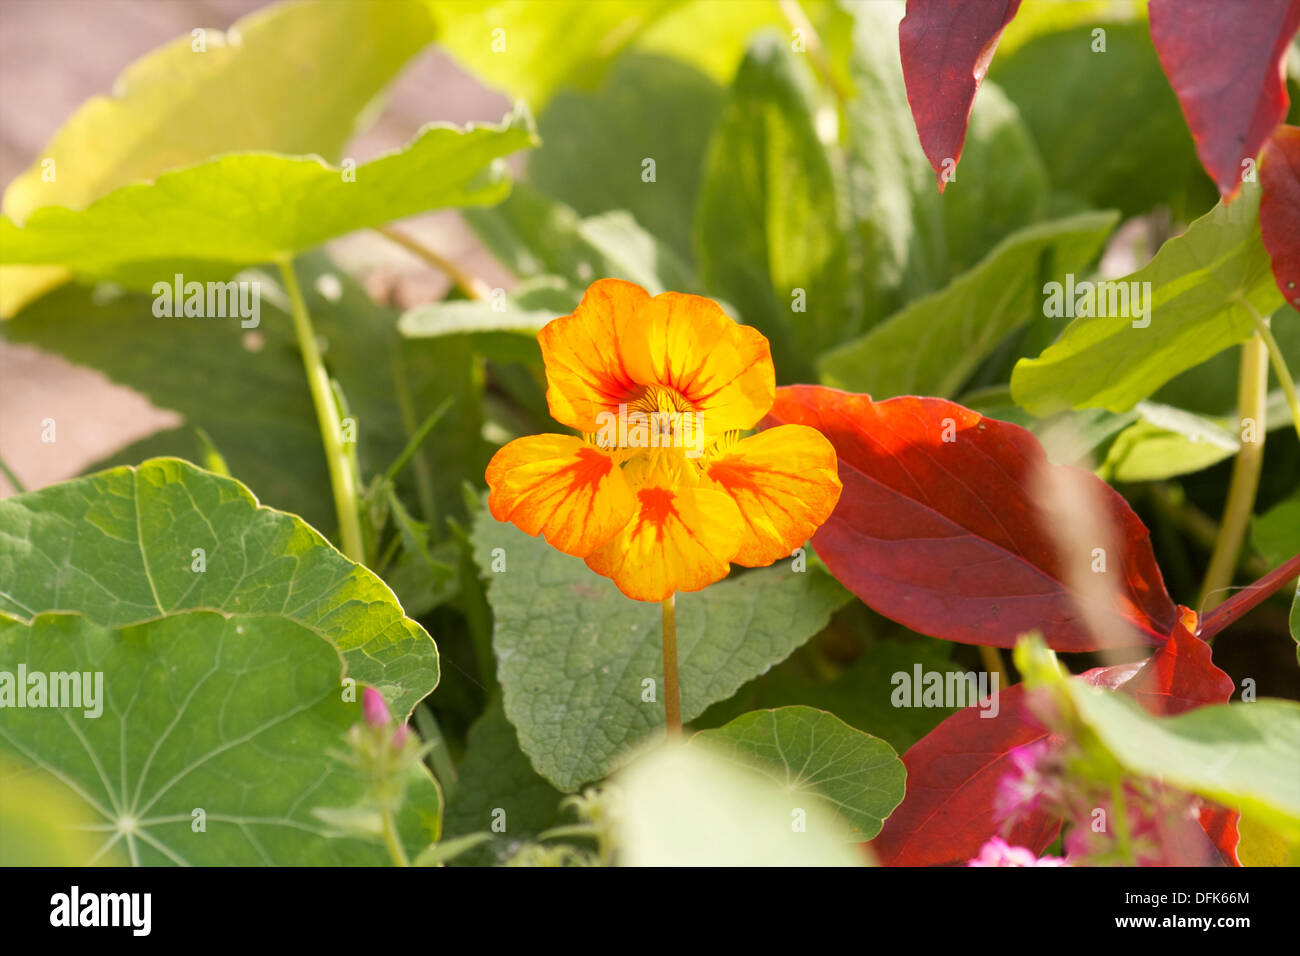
(131, 545)
(196, 738)
(804, 750)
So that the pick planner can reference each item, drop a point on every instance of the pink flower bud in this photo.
(400, 735)
(374, 708)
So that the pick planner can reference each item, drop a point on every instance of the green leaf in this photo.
(498, 784)
(769, 225)
(575, 656)
(194, 708)
(812, 752)
(648, 107)
(1107, 123)
(689, 806)
(1241, 755)
(123, 547)
(43, 824)
(535, 236)
(936, 343)
(246, 208)
(860, 696)
(531, 49)
(292, 78)
(1276, 533)
(1165, 442)
(504, 329)
(1201, 283)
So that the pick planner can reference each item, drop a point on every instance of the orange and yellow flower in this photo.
(661, 493)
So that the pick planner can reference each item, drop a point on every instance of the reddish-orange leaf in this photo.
(1279, 208)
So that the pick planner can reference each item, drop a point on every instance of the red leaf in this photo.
(953, 772)
(946, 47)
(952, 776)
(945, 536)
(1227, 64)
(1179, 676)
(1279, 208)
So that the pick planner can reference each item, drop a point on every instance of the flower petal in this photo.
(584, 353)
(560, 486)
(620, 340)
(722, 368)
(681, 539)
(785, 483)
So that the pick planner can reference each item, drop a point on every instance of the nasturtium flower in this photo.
(661, 493)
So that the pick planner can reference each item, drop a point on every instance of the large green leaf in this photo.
(531, 49)
(690, 806)
(246, 208)
(291, 78)
(122, 548)
(933, 345)
(574, 656)
(770, 234)
(498, 792)
(1242, 755)
(42, 823)
(811, 751)
(234, 715)
(1204, 285)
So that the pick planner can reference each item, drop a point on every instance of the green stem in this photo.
(672, 694)
(1252, 397)
(13, 479)
(992, 660)
(423, 473)
(1279, 366)
(439, 757)
(393, 841)
(472, 286)
(342, 478)
(416, 440)
(1171, 503)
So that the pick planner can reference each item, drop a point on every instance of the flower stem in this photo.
(13, 479)
(1279, 366)
(472, 286)
(1252, 395)
(991, 657)
(342, 477)
(672, 694)
(393, 841)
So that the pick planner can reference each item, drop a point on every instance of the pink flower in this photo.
(1032, 784)
(375, 709)
(997, 852)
